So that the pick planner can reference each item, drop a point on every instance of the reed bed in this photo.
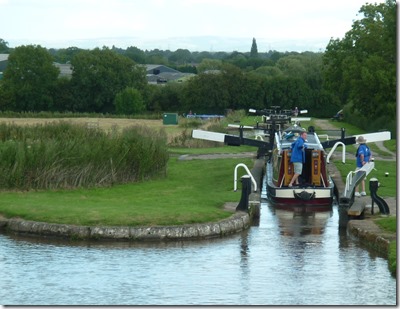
(62, 155)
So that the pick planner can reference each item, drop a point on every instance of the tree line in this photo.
(356, 73)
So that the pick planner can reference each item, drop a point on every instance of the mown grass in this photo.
(388, 224)
(387, 186)
(194, 191)
(211, 150)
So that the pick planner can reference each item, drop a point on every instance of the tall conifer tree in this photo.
(254, 51)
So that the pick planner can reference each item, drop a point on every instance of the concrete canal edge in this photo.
(371, 235)
(237, 222)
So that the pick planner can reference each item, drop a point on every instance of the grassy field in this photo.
(102, 123)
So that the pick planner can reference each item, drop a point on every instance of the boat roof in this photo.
(286, 140)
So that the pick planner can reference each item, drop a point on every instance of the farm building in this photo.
(160, 74)
(3, 63)
(155, 73)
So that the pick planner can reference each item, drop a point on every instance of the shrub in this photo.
(129, 101)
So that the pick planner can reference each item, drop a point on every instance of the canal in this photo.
(287, 259)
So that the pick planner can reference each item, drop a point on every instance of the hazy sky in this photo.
(167, 24)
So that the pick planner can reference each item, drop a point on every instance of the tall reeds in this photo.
(63, 155)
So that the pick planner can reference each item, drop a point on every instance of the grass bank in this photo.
(193, 191)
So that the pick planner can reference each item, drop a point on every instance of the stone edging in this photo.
(237, 222)
(370, 234)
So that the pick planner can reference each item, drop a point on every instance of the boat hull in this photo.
(308, 199)
(303, 197)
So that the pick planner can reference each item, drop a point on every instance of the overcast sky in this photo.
(198, 25)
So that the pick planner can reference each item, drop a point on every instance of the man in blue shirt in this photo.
(298, 157)
(363, 157)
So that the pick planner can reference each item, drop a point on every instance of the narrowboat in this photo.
(274, 136)
(316, 189)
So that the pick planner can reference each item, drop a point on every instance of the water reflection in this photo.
(292, 223)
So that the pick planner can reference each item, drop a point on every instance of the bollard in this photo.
(373, 188)
(246, 189)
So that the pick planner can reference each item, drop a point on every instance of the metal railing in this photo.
(362, 173)
(334, 148)
(248, 173)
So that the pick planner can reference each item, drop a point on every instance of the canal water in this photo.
(287, 259)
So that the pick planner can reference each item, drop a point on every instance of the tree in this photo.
(98, 76)
(129, 102)
(136, 54)
(268, 71)
(166, 98)
(4, 49)
(64, 55)
(156, 56)
(181, 56)
(287, 92)
(235, 83)
(209, 65)
(238, 59)
(228, 88)
(29, 79)
(205, 93)
(63, 96)
(361, 67)
(292, 66)
(254, 50)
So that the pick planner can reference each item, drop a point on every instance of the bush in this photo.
(129, 101)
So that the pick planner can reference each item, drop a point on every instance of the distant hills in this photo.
(200, 43)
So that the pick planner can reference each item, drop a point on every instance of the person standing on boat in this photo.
(298, 157)
(363, 157)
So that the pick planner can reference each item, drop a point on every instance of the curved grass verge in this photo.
(193, 192)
